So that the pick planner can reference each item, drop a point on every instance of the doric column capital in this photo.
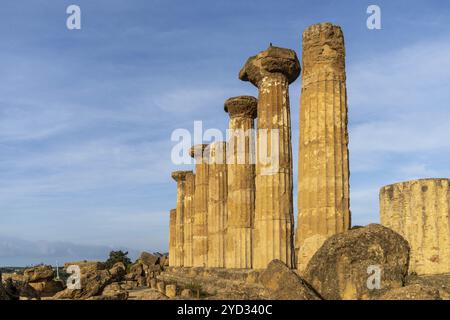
(273, 60)
(180, 175)
(323, 53)
(241, 106)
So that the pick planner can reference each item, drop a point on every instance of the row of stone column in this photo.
(241, 215)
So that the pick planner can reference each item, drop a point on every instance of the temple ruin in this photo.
(419, 211)
(236, 211)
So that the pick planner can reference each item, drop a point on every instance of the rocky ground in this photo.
(337, 271)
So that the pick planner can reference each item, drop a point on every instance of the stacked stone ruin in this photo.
(236, 211)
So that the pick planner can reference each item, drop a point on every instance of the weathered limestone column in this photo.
(180, 178)
(420, 211)
(200, 225)
(323, 168)
(272, 71)
(217, 204)
(241, 181)
(188, 218)
(172, 237)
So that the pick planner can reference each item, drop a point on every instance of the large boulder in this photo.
(118, 271)
(136, 272)
(148, 259)
(285, 284)
(340, 268)
(47, 288)
(114, 291)
(86, 266)
(38, 274)
(412, 292)
(92, 284)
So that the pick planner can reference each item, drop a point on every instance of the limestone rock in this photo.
(412, 292)
(92, 284)
(187, 293)
(171, 290)
(114, 291)
(87, 266)
(440, 282)
(161, 287)
(419, 210)
(148, 259)
(118, 271)
(146, 294)
(47, 288)
(339, 269)
(38, 274)
(136, 271)
(285, 284)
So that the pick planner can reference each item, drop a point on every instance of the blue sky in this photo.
(86, 116)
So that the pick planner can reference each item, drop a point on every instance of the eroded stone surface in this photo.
(180, 178)
(217, 204)
(323, 178)
(285, 284)
(339, 269)
(420, 211)
(268, 62)
(189, 219)
(200, 225)
(271, 71)
(172, 237)
(241, 181)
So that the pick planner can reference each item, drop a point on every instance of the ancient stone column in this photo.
(200, 225)
(188, 218)
(180, 178)
(420, 211)
(272, 71)
(241, 181)
(217, 204)
(323, 168)
(172, 237)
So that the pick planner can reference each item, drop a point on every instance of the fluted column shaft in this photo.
(323, 169)
(200, 226)
(188, 219)
(217, 204)
(274, 206)
(420, 211)
(172, 237)
(241, 181)
(180, 178)
(271, 71)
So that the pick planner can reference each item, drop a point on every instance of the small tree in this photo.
(117, 256)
